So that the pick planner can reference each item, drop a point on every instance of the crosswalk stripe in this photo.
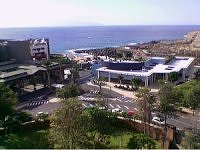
(119, 100)
(111, 105)
(84, 105)
(126, 107)
(118, 106)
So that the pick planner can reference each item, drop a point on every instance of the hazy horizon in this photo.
(61, 26)
(50, 13)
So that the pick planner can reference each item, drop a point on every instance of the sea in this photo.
(63, 39)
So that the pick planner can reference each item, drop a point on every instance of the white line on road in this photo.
(91, 105)
(84, 105)
(111, 105)
(126, 107)
(118, 106)
(136, 109)
(119, 100)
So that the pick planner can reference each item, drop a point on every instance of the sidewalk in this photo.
(109, 85)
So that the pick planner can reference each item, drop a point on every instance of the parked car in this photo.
(117, 110)
(131, 113)
(158, 120)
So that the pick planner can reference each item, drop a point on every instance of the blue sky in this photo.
(28, 13)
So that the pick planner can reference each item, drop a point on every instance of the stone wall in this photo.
(153, 131)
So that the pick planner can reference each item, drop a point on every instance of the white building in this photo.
(39, 49)
(150, 71)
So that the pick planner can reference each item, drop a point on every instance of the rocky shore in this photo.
(188, 46)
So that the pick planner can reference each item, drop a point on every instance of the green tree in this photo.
(173, 76)
(74, 72)
(68, 128)
(100, 82)
(62, 62)
(47, 65)
(120, 79)
(197, 74)
(192, 97)
(146, 100)
(190, 140)
(168, 102)
(136, 82)
(71, 90)
(102, 120)
(33, 81)
(8, 101)
(141, 141)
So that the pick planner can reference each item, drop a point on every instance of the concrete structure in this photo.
(25, 50)
(20, 64)
(39, 49)
(149, 71)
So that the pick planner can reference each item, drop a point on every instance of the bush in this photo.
(141, 141)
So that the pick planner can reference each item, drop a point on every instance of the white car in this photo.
(117, 110)
(158, 120)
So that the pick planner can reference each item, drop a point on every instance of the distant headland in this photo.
(188, 46)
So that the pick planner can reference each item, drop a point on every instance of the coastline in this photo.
(189, 45)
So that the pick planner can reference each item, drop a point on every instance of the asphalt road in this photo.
(185, 121)
(124, 104)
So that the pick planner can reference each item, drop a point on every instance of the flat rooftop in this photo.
(175, 65)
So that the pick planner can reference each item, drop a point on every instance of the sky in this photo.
(34, 13)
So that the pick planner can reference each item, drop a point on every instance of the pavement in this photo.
(116, 98)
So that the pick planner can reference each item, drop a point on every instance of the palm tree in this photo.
(120, 78)
(197, 74)
(146, 100)
(100, 82)
(61, 62)
(46, 64)
(74, 72)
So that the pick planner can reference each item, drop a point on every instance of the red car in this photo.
(131, 112)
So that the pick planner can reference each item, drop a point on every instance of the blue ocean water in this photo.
(66, 38)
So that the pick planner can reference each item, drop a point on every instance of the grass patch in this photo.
(121, 140)
(26, 139)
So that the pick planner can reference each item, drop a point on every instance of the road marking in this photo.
(119, 100)
(91, 105)
(111, 105)
(118, 106)
(136, 109)
(126, 107)
(84, 105)
(130, 101)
